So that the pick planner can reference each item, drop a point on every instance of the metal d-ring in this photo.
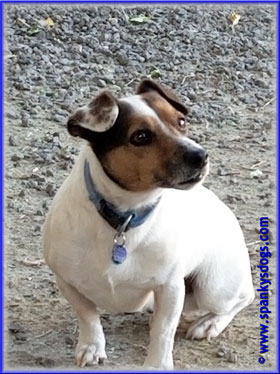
(123, 227)
(118, 237)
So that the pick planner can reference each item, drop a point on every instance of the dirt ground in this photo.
(233, 117)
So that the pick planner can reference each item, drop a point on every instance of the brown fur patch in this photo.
(166, 112)
(148, 85)
(138, 168)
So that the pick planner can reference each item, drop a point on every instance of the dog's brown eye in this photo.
(182, 124)
(141, 137)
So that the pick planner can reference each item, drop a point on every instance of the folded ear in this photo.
(98, 116)
(148, 85)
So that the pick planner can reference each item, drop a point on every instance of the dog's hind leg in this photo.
(91, 345)
(218, 304)
(211, 325)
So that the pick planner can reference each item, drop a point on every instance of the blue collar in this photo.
(110, 212)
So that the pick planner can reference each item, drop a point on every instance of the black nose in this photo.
(196, 158)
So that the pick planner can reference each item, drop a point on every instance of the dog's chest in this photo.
(123, 287)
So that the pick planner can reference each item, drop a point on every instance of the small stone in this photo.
(59, 118)
(192, 96)
(49, 173)
(267, 125)
(222, 172)
(122, 58)
(64, 166)
(10, 204)
(25, 122)
(22, 193)
(256, 174)
(69, 341)
(17, 157)
(113, 21)
(45, 205)
(261, 83)
(15, 327)
(101, 83)
(12, 140)
(221, 353)
(38, 178)
(11, 114)
(39, 212)
(232, 357)
(56, 142)
(37, 228)
(32, 184)
(45, 361)
(50, 189)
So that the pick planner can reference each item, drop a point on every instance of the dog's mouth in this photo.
(192, 180)
(183, 181)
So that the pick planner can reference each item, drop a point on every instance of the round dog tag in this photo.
(118, 254)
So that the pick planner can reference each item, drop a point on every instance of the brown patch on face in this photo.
(166, 112)
(148, 85)
(140, 168)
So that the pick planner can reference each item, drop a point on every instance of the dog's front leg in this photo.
(169, 300)
(91, 345)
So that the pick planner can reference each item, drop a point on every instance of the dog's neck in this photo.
(123, 199)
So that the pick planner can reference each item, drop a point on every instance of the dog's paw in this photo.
(208, 327)
(154, 365)
(89, 354)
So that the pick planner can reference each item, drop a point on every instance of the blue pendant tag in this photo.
(118, 254)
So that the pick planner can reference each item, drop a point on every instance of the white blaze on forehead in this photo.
(140, 106)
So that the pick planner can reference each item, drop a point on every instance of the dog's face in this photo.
(141, 141)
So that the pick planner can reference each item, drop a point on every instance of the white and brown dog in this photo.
(132, 225)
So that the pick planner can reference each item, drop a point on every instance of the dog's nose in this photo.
(196, 158)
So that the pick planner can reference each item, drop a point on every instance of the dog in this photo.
(132, 226)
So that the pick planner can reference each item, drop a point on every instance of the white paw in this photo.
(156, 365)
(205, 327)
(90, 354)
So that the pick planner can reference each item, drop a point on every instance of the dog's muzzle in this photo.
(188, 166)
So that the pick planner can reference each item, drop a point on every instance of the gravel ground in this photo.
(224, 73)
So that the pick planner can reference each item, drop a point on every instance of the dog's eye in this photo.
(182, 124)
(141, 137)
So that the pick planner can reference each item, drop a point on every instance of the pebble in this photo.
(101, 83)
(12, 141)
(12, 114)
(38, 178)
(61, 119)
(22, 193)
(25, 122)
(50, 189)
(17, 156)
(15, 327)
(49, 173)
(222, 171)
(232, 357)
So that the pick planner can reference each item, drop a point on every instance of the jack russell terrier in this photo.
(133, 226)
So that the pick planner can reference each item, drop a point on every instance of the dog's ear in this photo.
(98, 116)
(149, 85)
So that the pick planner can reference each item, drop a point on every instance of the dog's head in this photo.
(141, 141)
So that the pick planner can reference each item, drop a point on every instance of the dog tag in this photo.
(118, 254)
